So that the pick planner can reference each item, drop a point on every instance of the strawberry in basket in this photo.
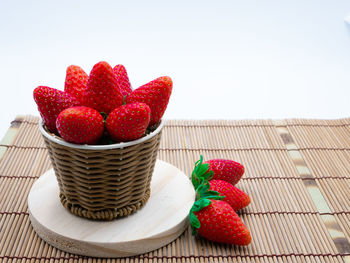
(50, 103)
(110, 110)
(156, 95)
(75, 83)
(122, 80)
(82, 125)
(128, 122)
(102, 92)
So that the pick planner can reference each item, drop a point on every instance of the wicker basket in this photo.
(103, 182)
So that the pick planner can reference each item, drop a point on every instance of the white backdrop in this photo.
(228, 59)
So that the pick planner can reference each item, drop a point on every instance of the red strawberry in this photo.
(50, 103)
(217, 221)
(122, 79)
(82, 125)
(102, 91)
(235, 197)
(227, 170)
(128, 122)
(155, 94)
(76, 80)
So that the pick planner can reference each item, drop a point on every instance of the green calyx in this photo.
(200, 173)
(200, 179)
(104, 116)
(197, 206)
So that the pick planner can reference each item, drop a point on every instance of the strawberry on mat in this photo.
(213, 213)
(217, 221)
(235, 197)
(227, 170)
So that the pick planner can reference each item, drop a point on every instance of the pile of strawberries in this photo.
(101, 107)
(213, 214)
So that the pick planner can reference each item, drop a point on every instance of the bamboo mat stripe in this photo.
(334, 229)
(283, 160)
(8, 139)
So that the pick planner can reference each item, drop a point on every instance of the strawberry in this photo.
(128, 122)
(210, 215)
(102, 92)
(227, 170)
(155, 94)
(82, 125)
(76, 80)
(235, 197)
(215, 220)
(50, 103)
(122, 79)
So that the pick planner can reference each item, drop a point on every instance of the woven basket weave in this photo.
(103, 182)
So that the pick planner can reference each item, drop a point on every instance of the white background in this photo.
(228, 59)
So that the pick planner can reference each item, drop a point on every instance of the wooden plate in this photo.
(160, 221)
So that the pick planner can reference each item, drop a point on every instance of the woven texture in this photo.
(104, 184)
(297, 174)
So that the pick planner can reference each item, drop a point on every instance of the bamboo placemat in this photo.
(297, 174)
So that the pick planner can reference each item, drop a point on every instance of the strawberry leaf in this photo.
(197, 206)
(200, 172)
(203, 191)
(194, 221)
(202, 169)
(214, 195)
(200, 204)
(203, 186)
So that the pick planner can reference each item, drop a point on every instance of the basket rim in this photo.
(120, 145)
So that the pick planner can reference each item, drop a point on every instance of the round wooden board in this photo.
(160, 221)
